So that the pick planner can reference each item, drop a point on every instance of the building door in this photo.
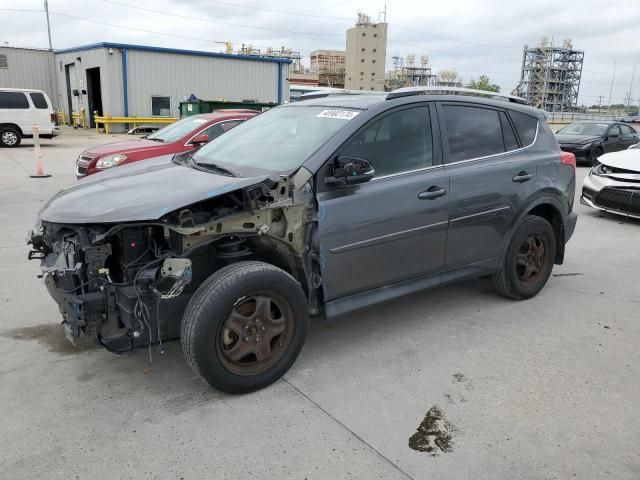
(67, 73)
(94, 94)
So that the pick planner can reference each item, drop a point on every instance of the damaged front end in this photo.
(128, 284)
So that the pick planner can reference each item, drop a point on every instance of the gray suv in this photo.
(316, 208)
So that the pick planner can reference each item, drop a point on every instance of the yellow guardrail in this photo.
(107, 120)
(62, 117)
(79, 118)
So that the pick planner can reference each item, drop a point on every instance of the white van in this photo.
(20, 108)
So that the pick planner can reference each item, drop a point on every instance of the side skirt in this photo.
(357, 301)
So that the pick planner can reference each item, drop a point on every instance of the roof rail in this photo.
(409, 91)
(322, 94)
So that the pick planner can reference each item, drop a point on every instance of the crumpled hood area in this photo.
(626, 159)
(140, 191)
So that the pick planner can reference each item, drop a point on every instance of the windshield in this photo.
(278, 140)
(177, 130)
(585, 129)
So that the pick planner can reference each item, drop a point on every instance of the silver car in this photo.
(613, 185)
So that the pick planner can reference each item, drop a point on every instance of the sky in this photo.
(471, 37)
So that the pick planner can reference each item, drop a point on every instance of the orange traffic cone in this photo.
(36, 151)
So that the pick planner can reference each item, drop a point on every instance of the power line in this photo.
(281, 12)
(208, 20)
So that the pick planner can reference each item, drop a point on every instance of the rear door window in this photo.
(472, 132)
(39, 101)
(627, 130)
(13, 100)
(526, 126)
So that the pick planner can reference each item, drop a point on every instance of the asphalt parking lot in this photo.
(542, 389)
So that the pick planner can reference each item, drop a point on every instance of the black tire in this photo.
(517, 280)
(215, 306)
(10, 137)
(594, 154)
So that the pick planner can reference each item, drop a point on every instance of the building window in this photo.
(161, 106)
(373, 61)
(374, 50)
(375, 34)
(363, 34)
(363, 49)
(4, 64)
(362, 60)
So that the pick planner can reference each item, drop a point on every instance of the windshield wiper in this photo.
(214, 168)
(155, 139)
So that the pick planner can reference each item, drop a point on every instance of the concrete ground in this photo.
(542, 389)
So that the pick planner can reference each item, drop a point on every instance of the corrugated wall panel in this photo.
(29, 68)
(178, 76)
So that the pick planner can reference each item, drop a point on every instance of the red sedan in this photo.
(186, 134)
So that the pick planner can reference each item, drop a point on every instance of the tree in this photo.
(483, 83)
(449, 77)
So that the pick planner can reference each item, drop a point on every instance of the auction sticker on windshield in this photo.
(341, 114)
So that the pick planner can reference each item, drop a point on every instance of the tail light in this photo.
(53, 118)
(568, 158)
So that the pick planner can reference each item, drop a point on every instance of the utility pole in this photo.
(46, 11)
(599, 103)
(633, 77)
(613, 77)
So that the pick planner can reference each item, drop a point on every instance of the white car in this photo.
(21, 108)
(613, 184)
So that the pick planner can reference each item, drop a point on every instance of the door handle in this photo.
(522, 177)
(432, 192)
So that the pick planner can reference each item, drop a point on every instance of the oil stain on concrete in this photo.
(434, 434)
(52, 336)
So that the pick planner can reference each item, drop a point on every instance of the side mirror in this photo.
(350, 171)
(200, 140)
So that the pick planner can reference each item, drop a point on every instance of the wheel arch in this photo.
(551, 210)
(13, 125)
(279, 254)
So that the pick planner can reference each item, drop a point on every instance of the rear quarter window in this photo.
(39, 101)
(13, 100)
(526, 126)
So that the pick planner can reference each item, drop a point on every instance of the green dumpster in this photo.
(207, 106)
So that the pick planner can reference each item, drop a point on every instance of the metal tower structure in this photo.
(550, 76)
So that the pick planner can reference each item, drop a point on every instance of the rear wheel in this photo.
(528, 261)
(245, 326)
(9, 137)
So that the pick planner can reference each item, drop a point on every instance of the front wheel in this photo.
(594, 155)
(526, 266)
(245, 326)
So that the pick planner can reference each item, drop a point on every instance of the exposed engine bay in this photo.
(127, 285)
